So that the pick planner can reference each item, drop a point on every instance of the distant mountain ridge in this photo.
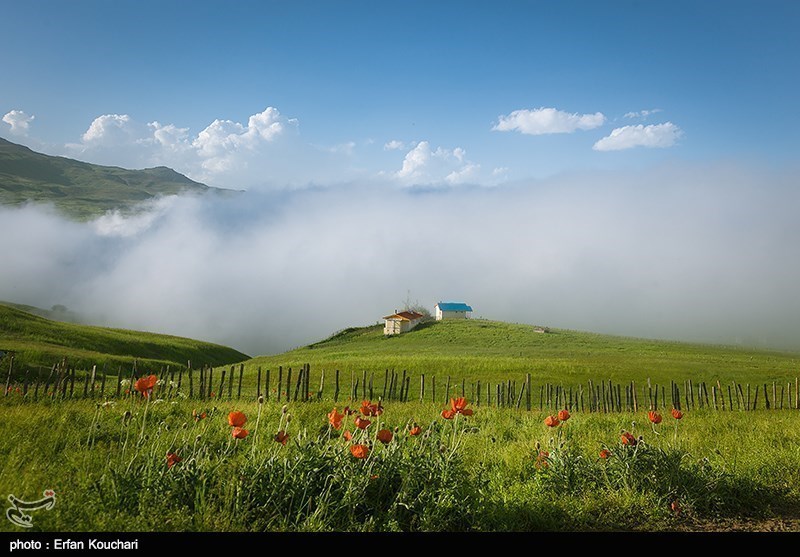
(80, 189)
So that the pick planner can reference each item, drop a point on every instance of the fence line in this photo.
(595, 396)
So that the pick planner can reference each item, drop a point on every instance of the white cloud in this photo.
(500, 171)
(170, 136)
(394, 145)
(672, 260)
(541, 121)
(627, 137)
(110, 129)
(642, 113)
(19, 121)
(423, 165)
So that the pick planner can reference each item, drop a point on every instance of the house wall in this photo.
(392, 327)
(397, 326)
(450, 314)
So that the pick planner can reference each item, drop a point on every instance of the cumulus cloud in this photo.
(225, 152)
(596, 252)
(541, 121)
(424, 165)
(394, 145)
(642, 113)
(19, 121)
(627, 137)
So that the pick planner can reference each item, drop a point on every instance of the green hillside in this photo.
(37, 341)
(491, 350)
(80, 189)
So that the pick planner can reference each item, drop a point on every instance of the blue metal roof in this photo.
(453, 306)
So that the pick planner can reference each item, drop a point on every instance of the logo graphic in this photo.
(16, 512)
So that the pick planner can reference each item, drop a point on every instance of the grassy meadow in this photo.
(496, 470)
(38, 343)
(171, 462)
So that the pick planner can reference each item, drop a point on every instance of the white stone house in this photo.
(401, 322)
(452, 310)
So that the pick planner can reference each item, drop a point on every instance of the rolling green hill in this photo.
(491, 350)
(80, 189)
(37, 341)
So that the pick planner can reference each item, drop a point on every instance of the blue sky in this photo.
(621, 167)
(357, 89)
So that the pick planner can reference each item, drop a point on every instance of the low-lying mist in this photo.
(691, 253)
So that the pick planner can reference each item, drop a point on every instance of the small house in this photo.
(401, 322)
(452, 310)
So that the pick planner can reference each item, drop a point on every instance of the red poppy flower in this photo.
(236, 419)
(281, 437)
(369, 409)
(677, 414)
(385, 436)
(172, 459)
(361, 423)
(541, 459)
(335, 419)
(348, 411)
(448, 414)
(459, 406)
(605, 453)
(347, 435)
(145, 385)
(359, 451)
(198, 415)
(676, 508)
(551, 421)
(654, 417)
(628, 439)
(563, 415)
(414, 431)
(239, 433)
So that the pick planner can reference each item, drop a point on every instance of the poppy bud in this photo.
(261, 399)
(284, 409)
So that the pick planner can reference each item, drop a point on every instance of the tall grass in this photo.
(484, 472)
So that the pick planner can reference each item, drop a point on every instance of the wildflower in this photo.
(654, 417)
(239, 433)
(677, 414)
(335, 418)
(173, 384)
(359, 451)
(145, 385)
(361, 423)
(198, 415)
(348, 411)
(125, 383)
(676, 508)
(459, 406)
(448, 414)
(369, 409)
(159, 382)
(551, 421)
(108, 403)
(281, 437)
(628, 439)
(605, 453)
(563, 415)
(347, 435)
(414, 431)
(385, 436)
(172, 459)
(236, 419)
(541, 459)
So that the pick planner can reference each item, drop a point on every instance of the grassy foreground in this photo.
(494, 470)
(40, 343)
